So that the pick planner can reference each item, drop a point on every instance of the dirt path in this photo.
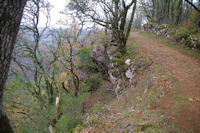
(186, 70)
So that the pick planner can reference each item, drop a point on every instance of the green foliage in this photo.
(25, 110)
(100, 109)
(144, 127)
(152, 100)
(148, 25)
(38, 114)
(73, 109)
(179, 98)
(192, 22)
(93, 121)
(126, 114)
(86, 63)
(183, 32)
(36, 119)
(17, 84)
(93, 83)
(77, 129)
(170, 29)
(22, 129)
(120, 63)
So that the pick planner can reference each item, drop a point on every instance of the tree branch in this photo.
(195, 7)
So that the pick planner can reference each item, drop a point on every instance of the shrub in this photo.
(182, 32)
(171, 30)
(148, 26)
(86, 62)
(120, 63)
(192, 22)
(93, 83)
(73, 109)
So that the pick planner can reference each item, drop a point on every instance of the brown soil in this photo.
(186, 70)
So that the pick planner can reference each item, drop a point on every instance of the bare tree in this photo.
(193, 5)
(10, 18)
(46, 62)
(112, 14)
(67, 43)
(30, 55)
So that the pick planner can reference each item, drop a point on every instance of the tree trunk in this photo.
(122, 47)
(199, 17)
(179, 12)
(168, 12)
(153, 12)
(10, 17)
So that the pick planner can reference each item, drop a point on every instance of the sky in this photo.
(58, 5)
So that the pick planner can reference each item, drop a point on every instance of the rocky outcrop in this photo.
(99, 57)
(117, 67)
(190, 38)
(120, 69)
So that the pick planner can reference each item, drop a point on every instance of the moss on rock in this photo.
(189, 37)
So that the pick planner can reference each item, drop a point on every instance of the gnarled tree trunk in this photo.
(10, 17)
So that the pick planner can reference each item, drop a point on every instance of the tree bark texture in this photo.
(10, 17)
(179, 12)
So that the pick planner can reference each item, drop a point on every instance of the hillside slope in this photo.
(165, 96)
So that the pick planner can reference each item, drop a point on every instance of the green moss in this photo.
(152, 100)
(114, 51)
(171, 30)
(118, 61)
(120, 64)
(193, 41)
(79, 128)
(183, 32)
(197, 35)
(100, 108)
(189, 44)
(144, 127)
(125, 114)
(93, 121)
(140, 107)
(179, 98)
